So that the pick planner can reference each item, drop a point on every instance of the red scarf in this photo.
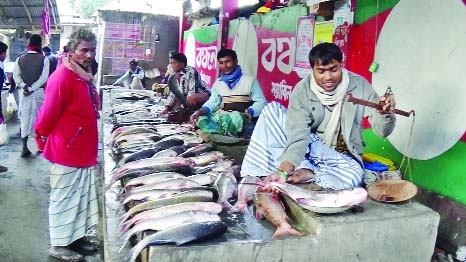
(34, 48)
(86, 75)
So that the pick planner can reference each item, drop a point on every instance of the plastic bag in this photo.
(3, 135)
(11, 104)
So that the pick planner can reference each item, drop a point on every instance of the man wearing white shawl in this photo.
(319, 137)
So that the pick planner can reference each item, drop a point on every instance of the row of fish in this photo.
(171, 180)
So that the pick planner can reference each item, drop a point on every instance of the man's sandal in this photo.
(65, 254)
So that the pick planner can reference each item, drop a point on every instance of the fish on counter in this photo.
(246, 190)
(152, 165)
(227, 188)
(323, 198)
(207, 158)
(270, 206)
(198, 150)
(174, 220)
(122, 131)
(143, 154)
(163, 202)
(150, 179)
(179, 235)
(202, 179)
(172, 183)
(145, 196)
(132, 137)
(164, 211)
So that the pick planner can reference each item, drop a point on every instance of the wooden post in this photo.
(228, 11)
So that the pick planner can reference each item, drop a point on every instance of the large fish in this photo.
(152, 165)
(336, 198)
(156, 194)
(121, 131)
(198, 150)
(134, 137)
(168, 142)
(202, 179)
(163, 202)
(147, 153)
(207, 158)
(170, 210)
(187, 137)
(166, 153)
(227, 188)
(268, 205)
(172, 183)
(174, 220)
(151, 178)
(246, 190)
(179, 235)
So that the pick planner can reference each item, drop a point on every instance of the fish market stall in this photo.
(188, 214)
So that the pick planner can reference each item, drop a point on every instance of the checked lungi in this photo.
(332, 169)
(73, 205)
(28, 110)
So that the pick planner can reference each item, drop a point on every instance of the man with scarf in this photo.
(187, 90)
(320, 135)
(236, 98)
(66, 130)
(30, 73)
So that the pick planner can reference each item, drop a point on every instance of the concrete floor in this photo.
(24, 196)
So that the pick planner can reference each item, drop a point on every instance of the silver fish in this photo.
(211, 207)
(156, 194)
(163, 202)
(151, 178)
(179, 235)
(172, 183)
(227, 188)
(152, 165)
(207, 158)
(202, 179)
(174, 220)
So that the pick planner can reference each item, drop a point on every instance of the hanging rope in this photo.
(409, 148)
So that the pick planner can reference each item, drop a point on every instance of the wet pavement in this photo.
(24, 196)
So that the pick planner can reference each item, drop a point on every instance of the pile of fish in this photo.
(171, 182)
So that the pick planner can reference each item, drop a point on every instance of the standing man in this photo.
(30, 73)
(3, 48)
(185, 84)
(132, 79)
(320, 135)
(66, 129)
(236, 98)
(52, 59)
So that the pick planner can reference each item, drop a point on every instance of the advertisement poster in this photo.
(323, 32)
(304, 41)
(200, 48)
(124, 42)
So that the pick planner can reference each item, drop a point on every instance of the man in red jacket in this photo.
(66, 130)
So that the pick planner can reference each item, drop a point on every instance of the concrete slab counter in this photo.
(382, 233)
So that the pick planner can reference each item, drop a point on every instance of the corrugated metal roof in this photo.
(26, 14)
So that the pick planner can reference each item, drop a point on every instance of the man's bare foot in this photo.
(300, 176)
(65, 254)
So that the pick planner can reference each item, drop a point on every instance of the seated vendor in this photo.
(320, 134)
(133, 78)
(236, 98)
(187, 90)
